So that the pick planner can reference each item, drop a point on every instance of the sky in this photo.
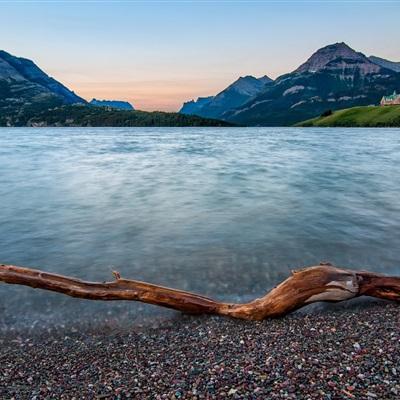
(158, 54)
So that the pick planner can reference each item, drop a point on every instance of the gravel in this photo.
(335, 354)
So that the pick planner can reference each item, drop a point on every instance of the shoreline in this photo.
(331, 353)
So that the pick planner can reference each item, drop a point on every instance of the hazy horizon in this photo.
(160, 54)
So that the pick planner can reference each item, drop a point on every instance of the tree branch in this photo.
(305, 286)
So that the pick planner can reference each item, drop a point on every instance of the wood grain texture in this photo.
(305, 286)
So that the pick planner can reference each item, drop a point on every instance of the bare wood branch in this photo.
(305, 286)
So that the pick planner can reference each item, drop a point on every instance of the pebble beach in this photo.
(343, 353)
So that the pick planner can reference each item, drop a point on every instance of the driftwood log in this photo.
(305, 286)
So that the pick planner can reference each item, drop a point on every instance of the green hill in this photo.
(370, 116)
(86, 115)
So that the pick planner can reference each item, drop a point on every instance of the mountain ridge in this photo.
(393, 65)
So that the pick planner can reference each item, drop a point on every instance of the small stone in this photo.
(357, 346)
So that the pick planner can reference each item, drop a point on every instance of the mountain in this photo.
(24, 76)
(117, 104)
(334, 77)
(235, 95)
(195, 107)
(335, 56)
(24, 87)
(394, 66)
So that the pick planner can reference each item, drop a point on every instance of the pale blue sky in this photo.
(158, 54)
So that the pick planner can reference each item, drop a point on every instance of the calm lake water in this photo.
(225, 212)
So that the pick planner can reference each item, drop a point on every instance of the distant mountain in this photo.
(235, 95)
(24, 87)
(334, 77)
(394, 66)
(117, 104)
(193, 107)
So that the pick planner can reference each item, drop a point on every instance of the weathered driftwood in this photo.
(308, 285)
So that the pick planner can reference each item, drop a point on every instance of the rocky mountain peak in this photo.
(324, 56)
(265, 79)
(247, 85)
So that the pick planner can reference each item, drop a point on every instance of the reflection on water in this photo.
(222, 211)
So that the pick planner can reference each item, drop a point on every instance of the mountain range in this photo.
(334, 77)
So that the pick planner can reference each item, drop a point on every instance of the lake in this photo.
(226, 212)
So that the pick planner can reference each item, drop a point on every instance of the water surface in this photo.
(226, 212)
